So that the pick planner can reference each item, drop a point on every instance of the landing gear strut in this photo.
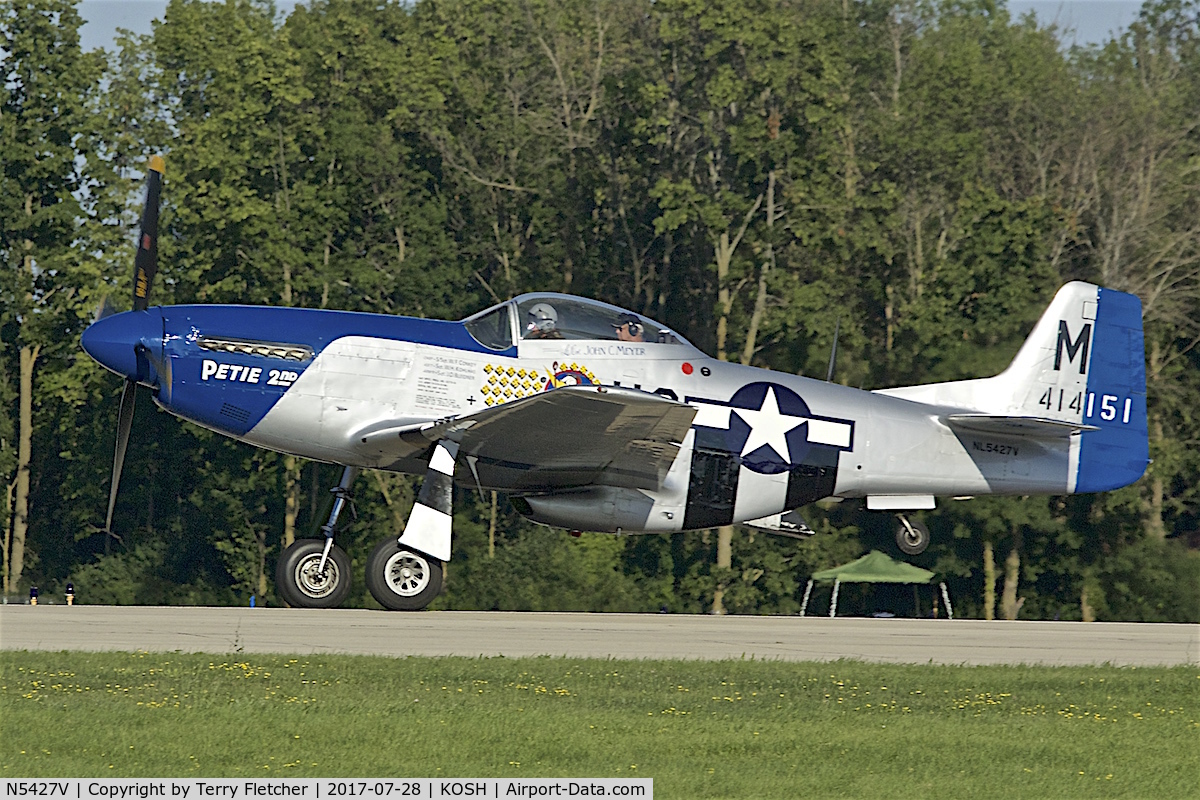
(912, 537)
(315, 573)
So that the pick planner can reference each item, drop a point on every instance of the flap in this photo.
(1017, 426)
(567, 437)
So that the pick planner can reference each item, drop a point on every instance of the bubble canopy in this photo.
(548, 315)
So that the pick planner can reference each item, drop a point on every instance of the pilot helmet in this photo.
(542, 317)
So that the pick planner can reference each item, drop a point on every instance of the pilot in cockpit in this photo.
(629, 328)
(543, 323)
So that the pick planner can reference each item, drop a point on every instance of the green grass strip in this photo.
(700, 729)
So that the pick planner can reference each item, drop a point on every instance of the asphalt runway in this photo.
(636, 636)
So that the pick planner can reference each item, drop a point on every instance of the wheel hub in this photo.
(407, 574)
(315, 583)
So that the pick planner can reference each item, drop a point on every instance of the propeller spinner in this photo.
(129, 343)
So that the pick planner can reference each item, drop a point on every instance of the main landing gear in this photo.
(315, 573)
(912, 537)
(402, 579)
(303, 582)
(403, 574)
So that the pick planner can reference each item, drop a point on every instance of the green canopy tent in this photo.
(874, 567)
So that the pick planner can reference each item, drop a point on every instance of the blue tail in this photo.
(1117, 454)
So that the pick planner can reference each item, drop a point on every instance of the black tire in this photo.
(299, 584)
(912, 537)
(402, 579)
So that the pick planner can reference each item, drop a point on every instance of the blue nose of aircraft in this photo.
(129, 344)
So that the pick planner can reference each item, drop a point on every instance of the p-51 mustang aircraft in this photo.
(593, 417)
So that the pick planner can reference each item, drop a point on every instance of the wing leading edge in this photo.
(572, 436)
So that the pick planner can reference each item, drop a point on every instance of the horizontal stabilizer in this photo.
(1016, 426)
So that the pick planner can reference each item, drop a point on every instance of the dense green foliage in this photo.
(933, 171)
(699, 729)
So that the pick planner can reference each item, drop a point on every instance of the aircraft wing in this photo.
(567, 437)
(1017, 426)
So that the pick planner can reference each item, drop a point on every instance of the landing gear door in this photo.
(712, 489)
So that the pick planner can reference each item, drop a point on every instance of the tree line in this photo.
(918, 175)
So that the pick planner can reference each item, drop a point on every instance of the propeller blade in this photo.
(105, 309)
(833, 351)
(124, 424)
(145, 264)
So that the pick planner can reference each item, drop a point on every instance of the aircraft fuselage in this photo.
(317, 383)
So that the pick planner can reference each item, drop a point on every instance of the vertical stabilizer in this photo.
(1049, 376)
(1085, 363)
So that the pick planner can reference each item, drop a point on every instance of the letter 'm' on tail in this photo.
(1081, 373)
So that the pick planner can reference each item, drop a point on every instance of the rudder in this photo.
(1117, 454)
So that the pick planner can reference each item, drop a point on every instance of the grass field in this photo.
(700, 729)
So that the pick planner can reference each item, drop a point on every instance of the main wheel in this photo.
(299, 582)
(912, 537)
(402, 579)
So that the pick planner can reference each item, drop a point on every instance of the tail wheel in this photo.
(912, 537)
(302, 583)
(402, 579)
